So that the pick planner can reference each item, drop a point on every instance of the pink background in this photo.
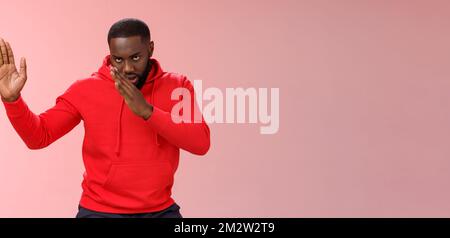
(364, 112)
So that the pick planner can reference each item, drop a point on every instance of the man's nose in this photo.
(128, 67)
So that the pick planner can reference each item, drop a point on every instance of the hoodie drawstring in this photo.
(119, 125)
(119, 128)
(152, 101)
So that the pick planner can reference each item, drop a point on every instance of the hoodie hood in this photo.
(153, 77)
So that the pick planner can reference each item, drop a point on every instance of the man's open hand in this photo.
(11, 81)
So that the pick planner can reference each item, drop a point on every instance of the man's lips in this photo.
(132, 78)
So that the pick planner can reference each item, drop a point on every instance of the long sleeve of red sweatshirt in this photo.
(130, 162)
(39, 131)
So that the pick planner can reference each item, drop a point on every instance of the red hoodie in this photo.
(130, 162)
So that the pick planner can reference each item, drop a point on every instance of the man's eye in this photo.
(136, 58)
(118, 60)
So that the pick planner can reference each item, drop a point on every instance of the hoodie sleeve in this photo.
(191, 136)
(39, 131)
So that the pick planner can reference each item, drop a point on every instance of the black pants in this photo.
(170, 212)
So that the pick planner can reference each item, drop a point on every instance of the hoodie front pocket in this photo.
(140, 182)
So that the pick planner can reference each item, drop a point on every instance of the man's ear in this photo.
(151, 47)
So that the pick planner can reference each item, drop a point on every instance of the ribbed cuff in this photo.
(159, 119)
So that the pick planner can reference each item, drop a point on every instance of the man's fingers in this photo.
(10, 53)
(119, 83)
(122, 82)
(117, 74)
(125, 90)
(127, 84)
(119, 88)
(23, 68)
(4, 55)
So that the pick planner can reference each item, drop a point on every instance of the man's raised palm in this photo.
(11, 81)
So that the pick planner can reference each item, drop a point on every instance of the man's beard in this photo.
(144, 76)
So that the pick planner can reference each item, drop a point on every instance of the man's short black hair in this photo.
(129, 27)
